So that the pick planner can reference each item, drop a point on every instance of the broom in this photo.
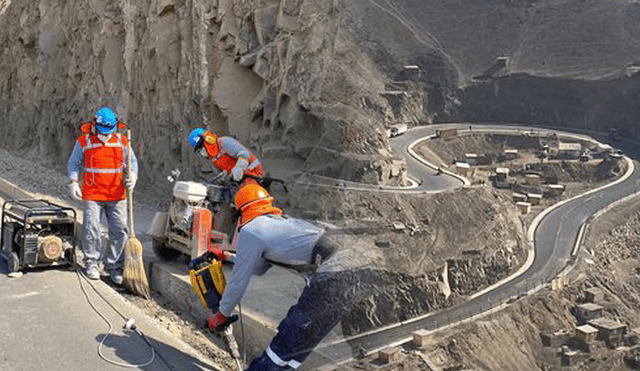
(134, 275)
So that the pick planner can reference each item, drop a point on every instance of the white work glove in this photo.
(238, 171)
(130, 182)
(74, 190)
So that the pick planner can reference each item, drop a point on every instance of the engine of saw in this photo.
(172, 231)
(187, 197)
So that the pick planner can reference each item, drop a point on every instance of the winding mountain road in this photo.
(553, 234)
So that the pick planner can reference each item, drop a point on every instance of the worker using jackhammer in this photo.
(227, 154)
(337, 278)
(100, 156)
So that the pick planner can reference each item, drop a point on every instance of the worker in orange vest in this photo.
(227, 154)
(338, 276)
(99, 158)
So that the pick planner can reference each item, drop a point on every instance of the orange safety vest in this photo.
(224, 161)
(103, 166)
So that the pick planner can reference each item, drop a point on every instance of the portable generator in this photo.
(37, 233)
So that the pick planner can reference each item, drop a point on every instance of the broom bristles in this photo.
(134, 274)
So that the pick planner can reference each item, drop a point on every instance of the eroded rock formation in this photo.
(287, 77)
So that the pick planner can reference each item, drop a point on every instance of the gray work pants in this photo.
(116, 216)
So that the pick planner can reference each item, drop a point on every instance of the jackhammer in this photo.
(207, 278)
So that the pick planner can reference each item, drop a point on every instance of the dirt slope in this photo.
(512, 338)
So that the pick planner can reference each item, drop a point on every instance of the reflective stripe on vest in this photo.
(98, 145)
(103, 171)
(103, 168)
(253, 165)
(89, 145)
(279, 361)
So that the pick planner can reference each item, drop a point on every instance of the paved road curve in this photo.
(554, 241)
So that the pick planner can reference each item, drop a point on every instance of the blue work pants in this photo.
(328, 298)
(116, 216)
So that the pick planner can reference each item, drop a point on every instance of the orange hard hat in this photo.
(253, 200)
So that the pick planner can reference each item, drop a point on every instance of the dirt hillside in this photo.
(512, 339)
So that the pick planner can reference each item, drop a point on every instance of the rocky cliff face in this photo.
(311, 81)
(285, 77)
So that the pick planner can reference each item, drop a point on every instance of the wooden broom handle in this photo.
(130, 192)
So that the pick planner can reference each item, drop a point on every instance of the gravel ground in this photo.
(33, 177)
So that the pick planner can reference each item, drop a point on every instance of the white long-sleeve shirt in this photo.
(276, 238)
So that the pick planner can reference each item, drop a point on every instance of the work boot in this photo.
(92, 272)
(264, 363)
(116, 276)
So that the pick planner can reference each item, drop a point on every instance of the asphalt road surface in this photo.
(53, 319)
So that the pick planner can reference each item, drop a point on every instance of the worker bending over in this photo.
(100, 157)
(227, 154)
(338, 278)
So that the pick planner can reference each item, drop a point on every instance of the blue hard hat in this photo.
(106, 121)
(196, 138)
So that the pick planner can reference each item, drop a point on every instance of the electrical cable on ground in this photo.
(130, 325)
